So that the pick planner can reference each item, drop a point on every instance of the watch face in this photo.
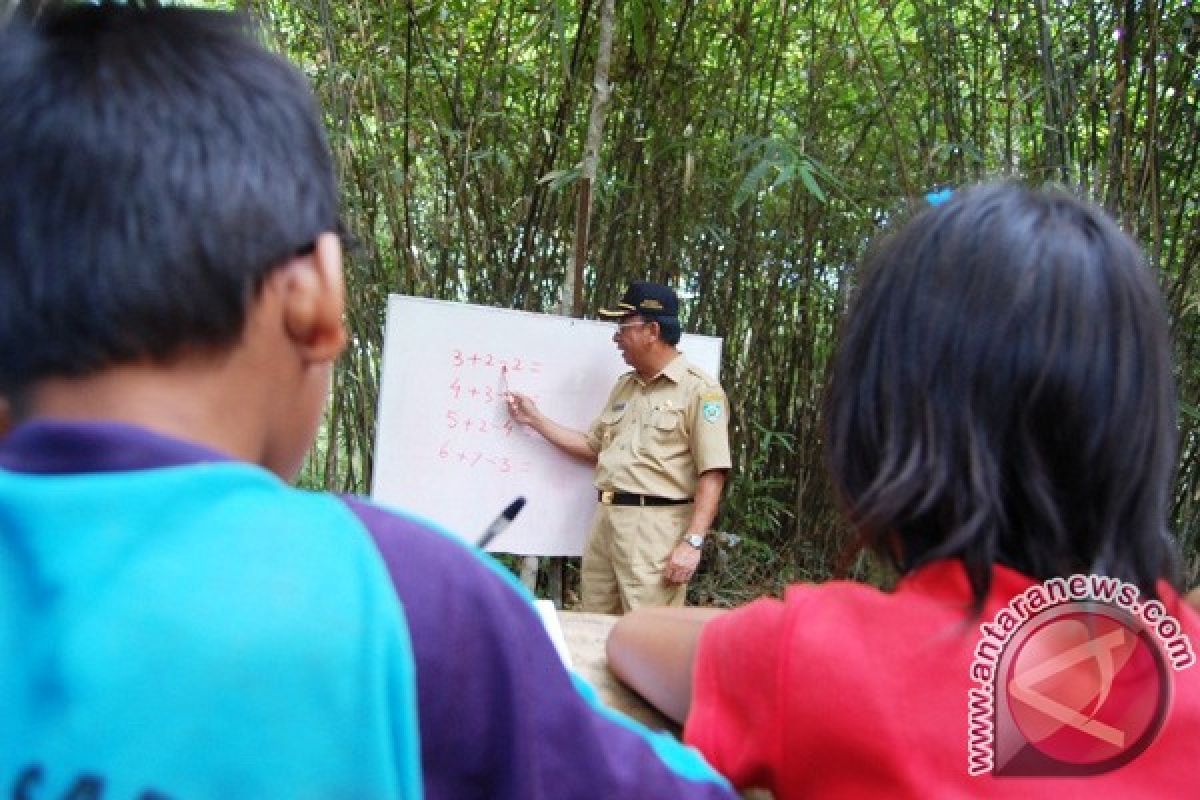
(695, 540)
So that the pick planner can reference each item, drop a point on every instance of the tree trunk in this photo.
(573, 286)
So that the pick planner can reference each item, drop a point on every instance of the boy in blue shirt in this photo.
(176, 620)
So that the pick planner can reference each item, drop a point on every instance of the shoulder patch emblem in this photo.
(711, 410)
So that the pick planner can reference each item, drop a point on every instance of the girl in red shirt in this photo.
(1000, 417)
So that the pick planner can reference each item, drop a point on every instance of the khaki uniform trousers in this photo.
(626, 553)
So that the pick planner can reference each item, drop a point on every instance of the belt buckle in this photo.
(606, 497)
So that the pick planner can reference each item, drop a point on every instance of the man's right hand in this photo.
(574, 443)
(522, 408)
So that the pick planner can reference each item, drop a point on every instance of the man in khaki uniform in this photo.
(661, 450)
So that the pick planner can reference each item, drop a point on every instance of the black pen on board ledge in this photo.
(501, 522)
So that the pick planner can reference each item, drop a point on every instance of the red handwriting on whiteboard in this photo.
(471, 359)
(470, 458)
(458, 421)
(476, 392)
(477, 385)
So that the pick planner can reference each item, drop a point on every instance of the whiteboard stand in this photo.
(556, 568)
(529, 570)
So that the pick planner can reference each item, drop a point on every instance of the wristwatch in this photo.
(696, 540)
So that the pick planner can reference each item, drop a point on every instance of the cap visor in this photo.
(623, 309)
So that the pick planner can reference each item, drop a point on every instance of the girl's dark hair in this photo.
(1003, 394)
(157, 163)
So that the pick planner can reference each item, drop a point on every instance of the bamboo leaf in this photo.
(784, 176)
(810, 183)
(749, 185)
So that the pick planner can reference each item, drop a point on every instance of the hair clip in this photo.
(939, 196)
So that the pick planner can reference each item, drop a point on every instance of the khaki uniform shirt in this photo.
(656, 437)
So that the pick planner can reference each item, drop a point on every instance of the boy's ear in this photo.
(314, 299)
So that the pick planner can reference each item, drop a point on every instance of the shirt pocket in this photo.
(665, 428)
(609, 423)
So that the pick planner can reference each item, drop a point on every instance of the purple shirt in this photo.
(499, 715)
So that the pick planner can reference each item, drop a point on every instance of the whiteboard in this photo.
(445, 447)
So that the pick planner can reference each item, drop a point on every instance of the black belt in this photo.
(627, 499)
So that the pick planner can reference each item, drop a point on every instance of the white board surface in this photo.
(446, 448)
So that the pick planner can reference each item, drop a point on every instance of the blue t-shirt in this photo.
(177, 624)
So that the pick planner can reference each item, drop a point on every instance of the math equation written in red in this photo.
(476, 360)
(475, 417)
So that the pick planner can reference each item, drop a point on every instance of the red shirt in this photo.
(842, 690)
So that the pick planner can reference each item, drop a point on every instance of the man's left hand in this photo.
(681, 564)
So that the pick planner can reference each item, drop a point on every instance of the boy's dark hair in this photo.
(157, 163)
(1003, 393)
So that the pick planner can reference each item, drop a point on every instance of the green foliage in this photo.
(738, 569)
(743, 562)
(754, 497)
(560, 178)
(782, 160)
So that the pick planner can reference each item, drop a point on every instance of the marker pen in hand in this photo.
(501, 522)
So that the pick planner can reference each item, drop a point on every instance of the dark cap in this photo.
(647, 299)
